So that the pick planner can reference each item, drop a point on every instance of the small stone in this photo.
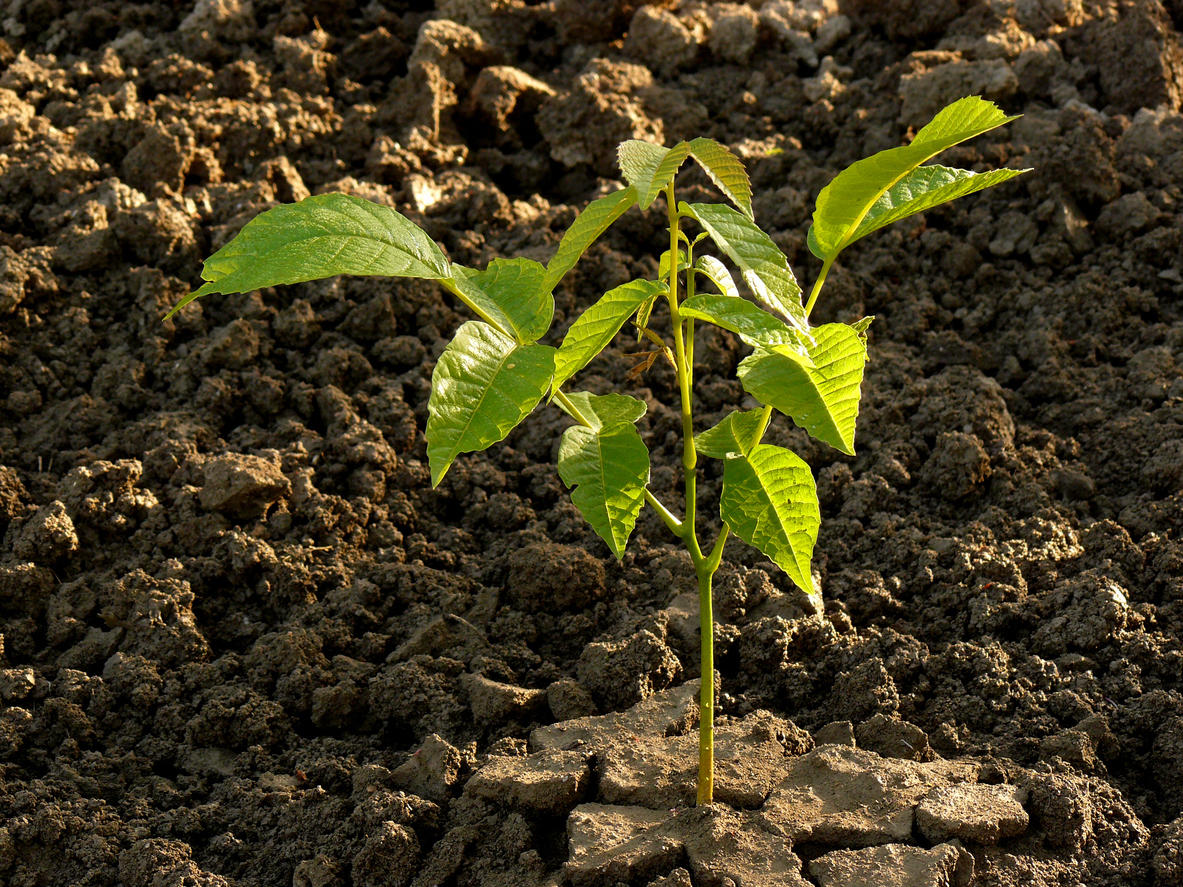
(1127, 215)
(893, 865)
(432, 772)
(657, 38)
(624, 672)
(982, 814)
(733, 32)
(610, 844)
(47, 535)
(893, 737)
(242, 485)
(493, 702)
(389, 857)
(835, 733)
(16, 683)
(550, 782)
(569, 699)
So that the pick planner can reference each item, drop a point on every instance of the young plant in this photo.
(495, 372)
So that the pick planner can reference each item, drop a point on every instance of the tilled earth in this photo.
(243, 641)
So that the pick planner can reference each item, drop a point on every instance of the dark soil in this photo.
(243, 641)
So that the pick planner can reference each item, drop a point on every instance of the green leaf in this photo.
(663, 264)
(822, 399)
(864, 190)
(770, 501)
(483, 385)
(594, 329)
(716, 272)
(736, 434)
(511, 294)
(320, 236)
(926, 187)
(608, 469)
(764, 267)
(606, 410)
(750, 322)
(595, 219)
(725, 170)
(649, 167)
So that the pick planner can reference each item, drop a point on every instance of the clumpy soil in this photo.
(243, 641)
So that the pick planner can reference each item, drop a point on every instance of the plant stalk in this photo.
(817, 286)
(706, 693)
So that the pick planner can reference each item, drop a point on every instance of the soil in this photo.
(243, 641)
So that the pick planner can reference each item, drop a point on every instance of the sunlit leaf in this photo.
(593, 330)
(770, 501)
(608, 469)
(321, 236)
(865, 197)
(483, 385)
(748, 321)
(511, 294)
(595, 219)
(822, 399)
(737, 433)
(606, 410)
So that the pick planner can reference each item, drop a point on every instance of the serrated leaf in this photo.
(663, 264)
(748, 321)
(845, 203)
(926, 187)
(595, 219)
(321, 236)
(763, 266)
(606, 410)
(822, 399)
(736, 434)
(608, 469)
(593, 330)
(770, 501)
(725, 170)
(716, 272)
(483, 385)
(511, 294)
(649, 167)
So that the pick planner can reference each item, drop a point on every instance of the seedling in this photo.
(495, 372)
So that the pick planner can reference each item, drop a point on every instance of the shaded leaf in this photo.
(822, 399)
(321, 236)
(483, 385)
(593, 330)
(605, 410)
(845, 203)
(763, 266)
(595, 219)
(608, 469)
(770, 501)
(716, 272)
(748, 321)
(511, 294)
(736, 434)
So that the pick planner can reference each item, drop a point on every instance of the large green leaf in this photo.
(608, 469)
(725, 170)
(649, 168)
(736, 434)
(594, 329)
(511, 294)
(748, 321)
(845, 203)
(770, 501)
(606, 410)
(716, 272)
(595, 219)
(483, 385)
(822, 399)
(926, 187)
(763, 266)
(320, 236)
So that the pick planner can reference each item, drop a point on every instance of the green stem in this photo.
(817, 286)
(706, 691)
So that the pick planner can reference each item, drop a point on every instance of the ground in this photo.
(243, 641)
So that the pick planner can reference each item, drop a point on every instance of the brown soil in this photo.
(244, 643)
